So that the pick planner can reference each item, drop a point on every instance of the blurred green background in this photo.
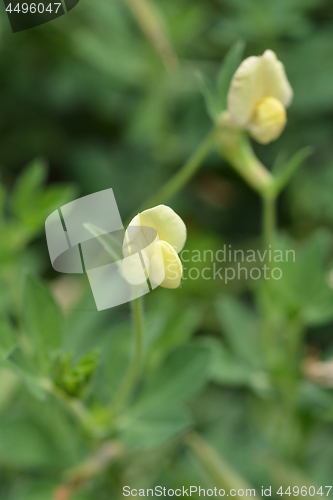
(89, 101)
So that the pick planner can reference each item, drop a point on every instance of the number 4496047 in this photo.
(305, 491)
(25, 8)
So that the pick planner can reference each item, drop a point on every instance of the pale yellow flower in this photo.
(159, 247)
(258, 96)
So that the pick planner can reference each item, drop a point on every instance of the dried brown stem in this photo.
(78, 477)
(150, 24)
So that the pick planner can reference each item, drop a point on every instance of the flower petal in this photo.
(255, 79)
(133, 270)
(244, 91)
(165, 262)
(169, 226)
(268, 121)
(274, 80)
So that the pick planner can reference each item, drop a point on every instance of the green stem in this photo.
(136, 365)
(181, 178)
(235, 147)
(269, 221)
(217, 468)
(269, 334)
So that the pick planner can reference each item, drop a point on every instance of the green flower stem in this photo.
(136, 364)
(181, 178)
(236, 148)
(269, 221)
(269, 334)
(220, 472)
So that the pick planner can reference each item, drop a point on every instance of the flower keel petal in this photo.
(164, 260)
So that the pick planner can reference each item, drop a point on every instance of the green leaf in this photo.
(227, 370)
(303, 289)
(283, 171)
(279, 162)
(155, 426)
(28, 187)
(179, 324)
(55, 196)
(229, 65)
(212, 105)
(31, 202)
(224, 367)
(182, 375)
(316, 400)
(240, 326)
(24, 444)
(42, 321)
(10, 384)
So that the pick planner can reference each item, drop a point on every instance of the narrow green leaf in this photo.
(209, 95)
(284, 171)
(28, 187)
(229, 65)
(55, 196)
(279, 163)
(42, 320)
(110, 244)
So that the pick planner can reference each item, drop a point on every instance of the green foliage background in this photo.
(86, 103)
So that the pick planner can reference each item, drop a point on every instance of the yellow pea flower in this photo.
(258, 96)
(160, 252)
